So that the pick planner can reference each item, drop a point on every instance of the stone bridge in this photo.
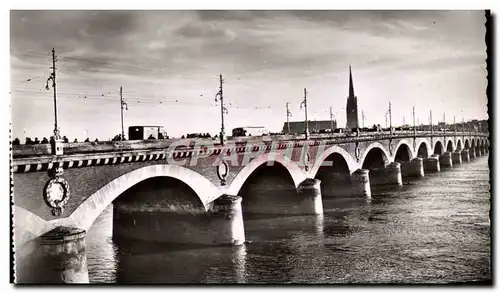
(56, 195)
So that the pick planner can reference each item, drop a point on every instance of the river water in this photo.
(431, 230)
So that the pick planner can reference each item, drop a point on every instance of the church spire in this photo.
(352, 105)
(351, 86)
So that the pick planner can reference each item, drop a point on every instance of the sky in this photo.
(169, 62)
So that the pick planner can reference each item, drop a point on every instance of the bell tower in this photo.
(352, 105)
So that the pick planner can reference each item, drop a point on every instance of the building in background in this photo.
(352, 106)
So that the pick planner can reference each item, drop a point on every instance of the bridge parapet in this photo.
(44, 151)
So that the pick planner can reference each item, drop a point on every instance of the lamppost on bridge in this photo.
(455, 125)
(288, 115)
(57, 145)
(414, 125)
(223, 109)
(432, 126)
(444, 123)
(52, 77)
(122, 105)
(390, 119)
(363, 118)
(304, 102)
(331, 119)
(463, 128)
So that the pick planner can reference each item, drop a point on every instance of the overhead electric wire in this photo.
(131, 96)
(143, 99)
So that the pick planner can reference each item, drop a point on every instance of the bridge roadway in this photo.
(60, 196)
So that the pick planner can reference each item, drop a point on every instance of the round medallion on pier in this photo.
(307, 160)
(222, 170)
(56, 194)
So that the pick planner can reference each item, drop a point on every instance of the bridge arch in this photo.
(478, 144)
(292, 167)
(349, 160)
(438, 148)
(86, 213)
(375, 156)
(467, 144)
(403, 152)
(424, 150)
(473, 143)
(449, 146)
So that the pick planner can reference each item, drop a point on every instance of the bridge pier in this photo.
(55, 257)
(221, 224)
(227, 221)
(431, 164)
(445, 160)
(391, 174)
(472, 154)
(310, 192)
(413, 168)
(465, 156)
(360, 180)
(456, 158)
(336, 184)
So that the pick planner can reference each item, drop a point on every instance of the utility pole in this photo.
(454, 125)
(305, 107)
(305, 110)
(404, 121)
(444, 123)
(288, 114)
(363, 118)
(386, 119)
(222, 109)
(331, 119)
(414, 125)
(432, 126)
(390, 118)
(121, 110)
(52, 77)
(470, 128)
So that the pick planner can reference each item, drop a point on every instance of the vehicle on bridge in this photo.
(250, 131)
(146, 132)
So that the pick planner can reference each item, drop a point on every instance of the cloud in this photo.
(234, 15)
